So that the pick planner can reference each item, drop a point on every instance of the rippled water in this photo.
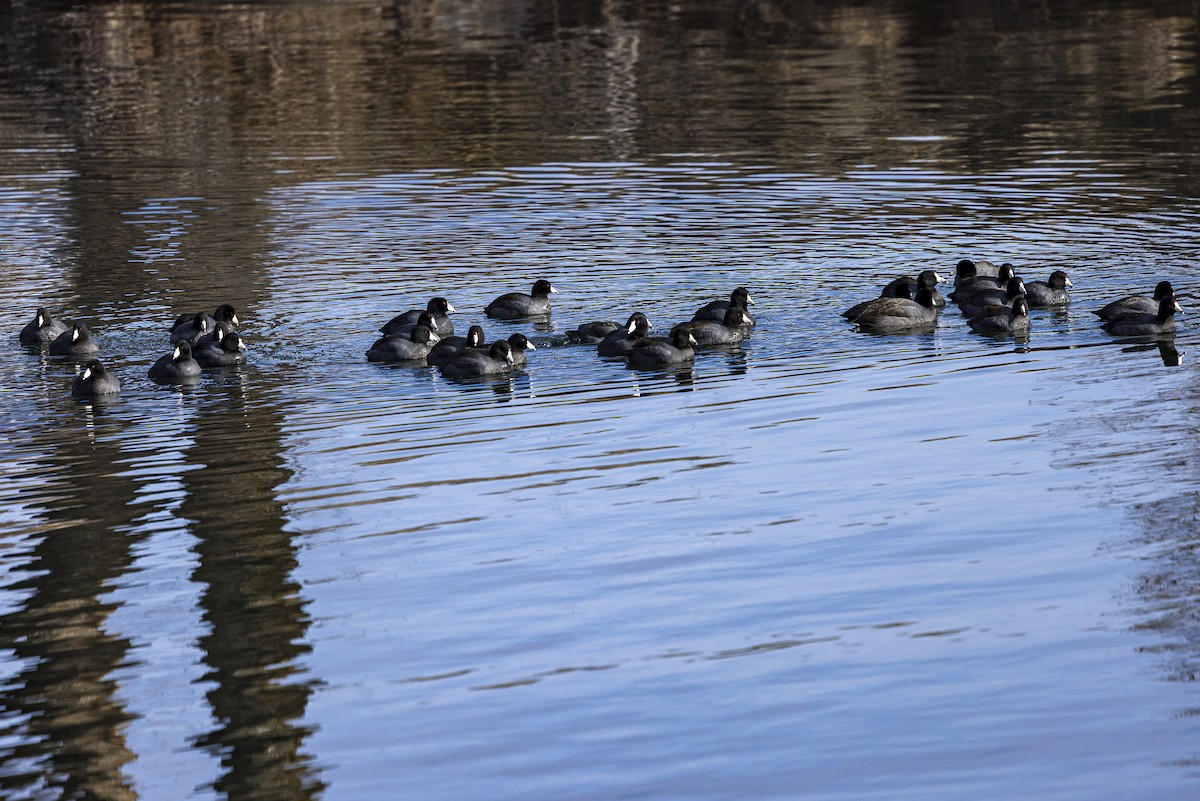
(822, 564)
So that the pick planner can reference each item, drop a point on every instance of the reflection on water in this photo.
(817, 564)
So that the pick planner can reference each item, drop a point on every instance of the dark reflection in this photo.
(1164, 346)
(253, 608)
(63, 722)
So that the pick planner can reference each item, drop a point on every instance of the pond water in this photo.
(823, 564)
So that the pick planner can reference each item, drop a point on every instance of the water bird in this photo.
(1051, 292)
(1131, 304)
(732, 329)
(470, 363)
(1142, 323)
(43, 329)
(968, 285)
(77, 342)
(437, 308)
(516, 305)
(894, 315)
(94, 380)
(619, 342)
(715, 310)
(656, 353)
(592, 333)
(518, 345)
(926, 278)
(446, 347)
(176, 366)
(413, 346)
(191, 328)
(1002, 320)
(973, 304)
(226, 352)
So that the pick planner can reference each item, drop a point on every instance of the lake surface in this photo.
(823, 564)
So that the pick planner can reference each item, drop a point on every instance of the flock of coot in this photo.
(995, 300)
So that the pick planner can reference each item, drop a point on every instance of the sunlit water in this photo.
(824, 564)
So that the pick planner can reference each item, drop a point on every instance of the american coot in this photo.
(982, 283)
(94, 380)
(191, 330)
(1141, 323)
(515, 305)
(471, 363)
(1001, 320)
(972, 305)
(891, 315)
(619, 342)
(446, 347)
(972, 269)
(76, 342)
(43, 329)
(907, 287)
(438, 310)
(411, 347)
(899, 291)
(706, 332)
(592, 333)
(225, 353)
(655, 353)
(518, 344)
(715, 310)
(1052, 292)
(177, 366)
(1131, 304)
(213, 338)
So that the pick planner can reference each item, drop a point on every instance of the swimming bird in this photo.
(973, 304)
(411, 347)
(1136, 303)
(893, 315)
(191, 330)
(1142, 324)
(1002, 320)
(519, 344)
(176, 366)
(731, 330)
(225, 353)
(94, 380)
(439, 312)
(592, 333)
(715, 310)
(619, 342)
(1052, 292)
(470, 363)
(213, 338)
(446, 347)
(656, 353)
(901, 290)
(972, 269)
(76, 342)
(516, 305)
(980, 283)
(44, 329)
(926, 278)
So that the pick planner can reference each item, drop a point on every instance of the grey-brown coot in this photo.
(1002, 320)
(43, 330)
(1051, 292)
(446, 347)
(225, 353)
(439, 312)
(894, 315)
(1131, 304)
(413, 346)
(178, 366)
(94, 380)
(656, 353)
(715, 310)
(1143, 324)
(76, 342)
(470, 363)
(618, 343)
(516, 305)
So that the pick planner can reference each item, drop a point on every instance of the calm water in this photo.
(821, 565)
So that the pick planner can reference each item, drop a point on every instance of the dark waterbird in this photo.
(1051, 292)
(446, 347)
(972, 305)
(894, 315)
(727, 332)
(656, 353)
(43, 329)
(515, 305)
(518, 345)
(192, 327)
(715, 310)
(439, 321)
(969, 285)
(471, 363)
(413, 346)
(76, 342)
(906, 286)
(619, 342)
(94, 380)
(1132, 304)
(1144, 324)
(178, 366)
(1003, 320)
(225, 353)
